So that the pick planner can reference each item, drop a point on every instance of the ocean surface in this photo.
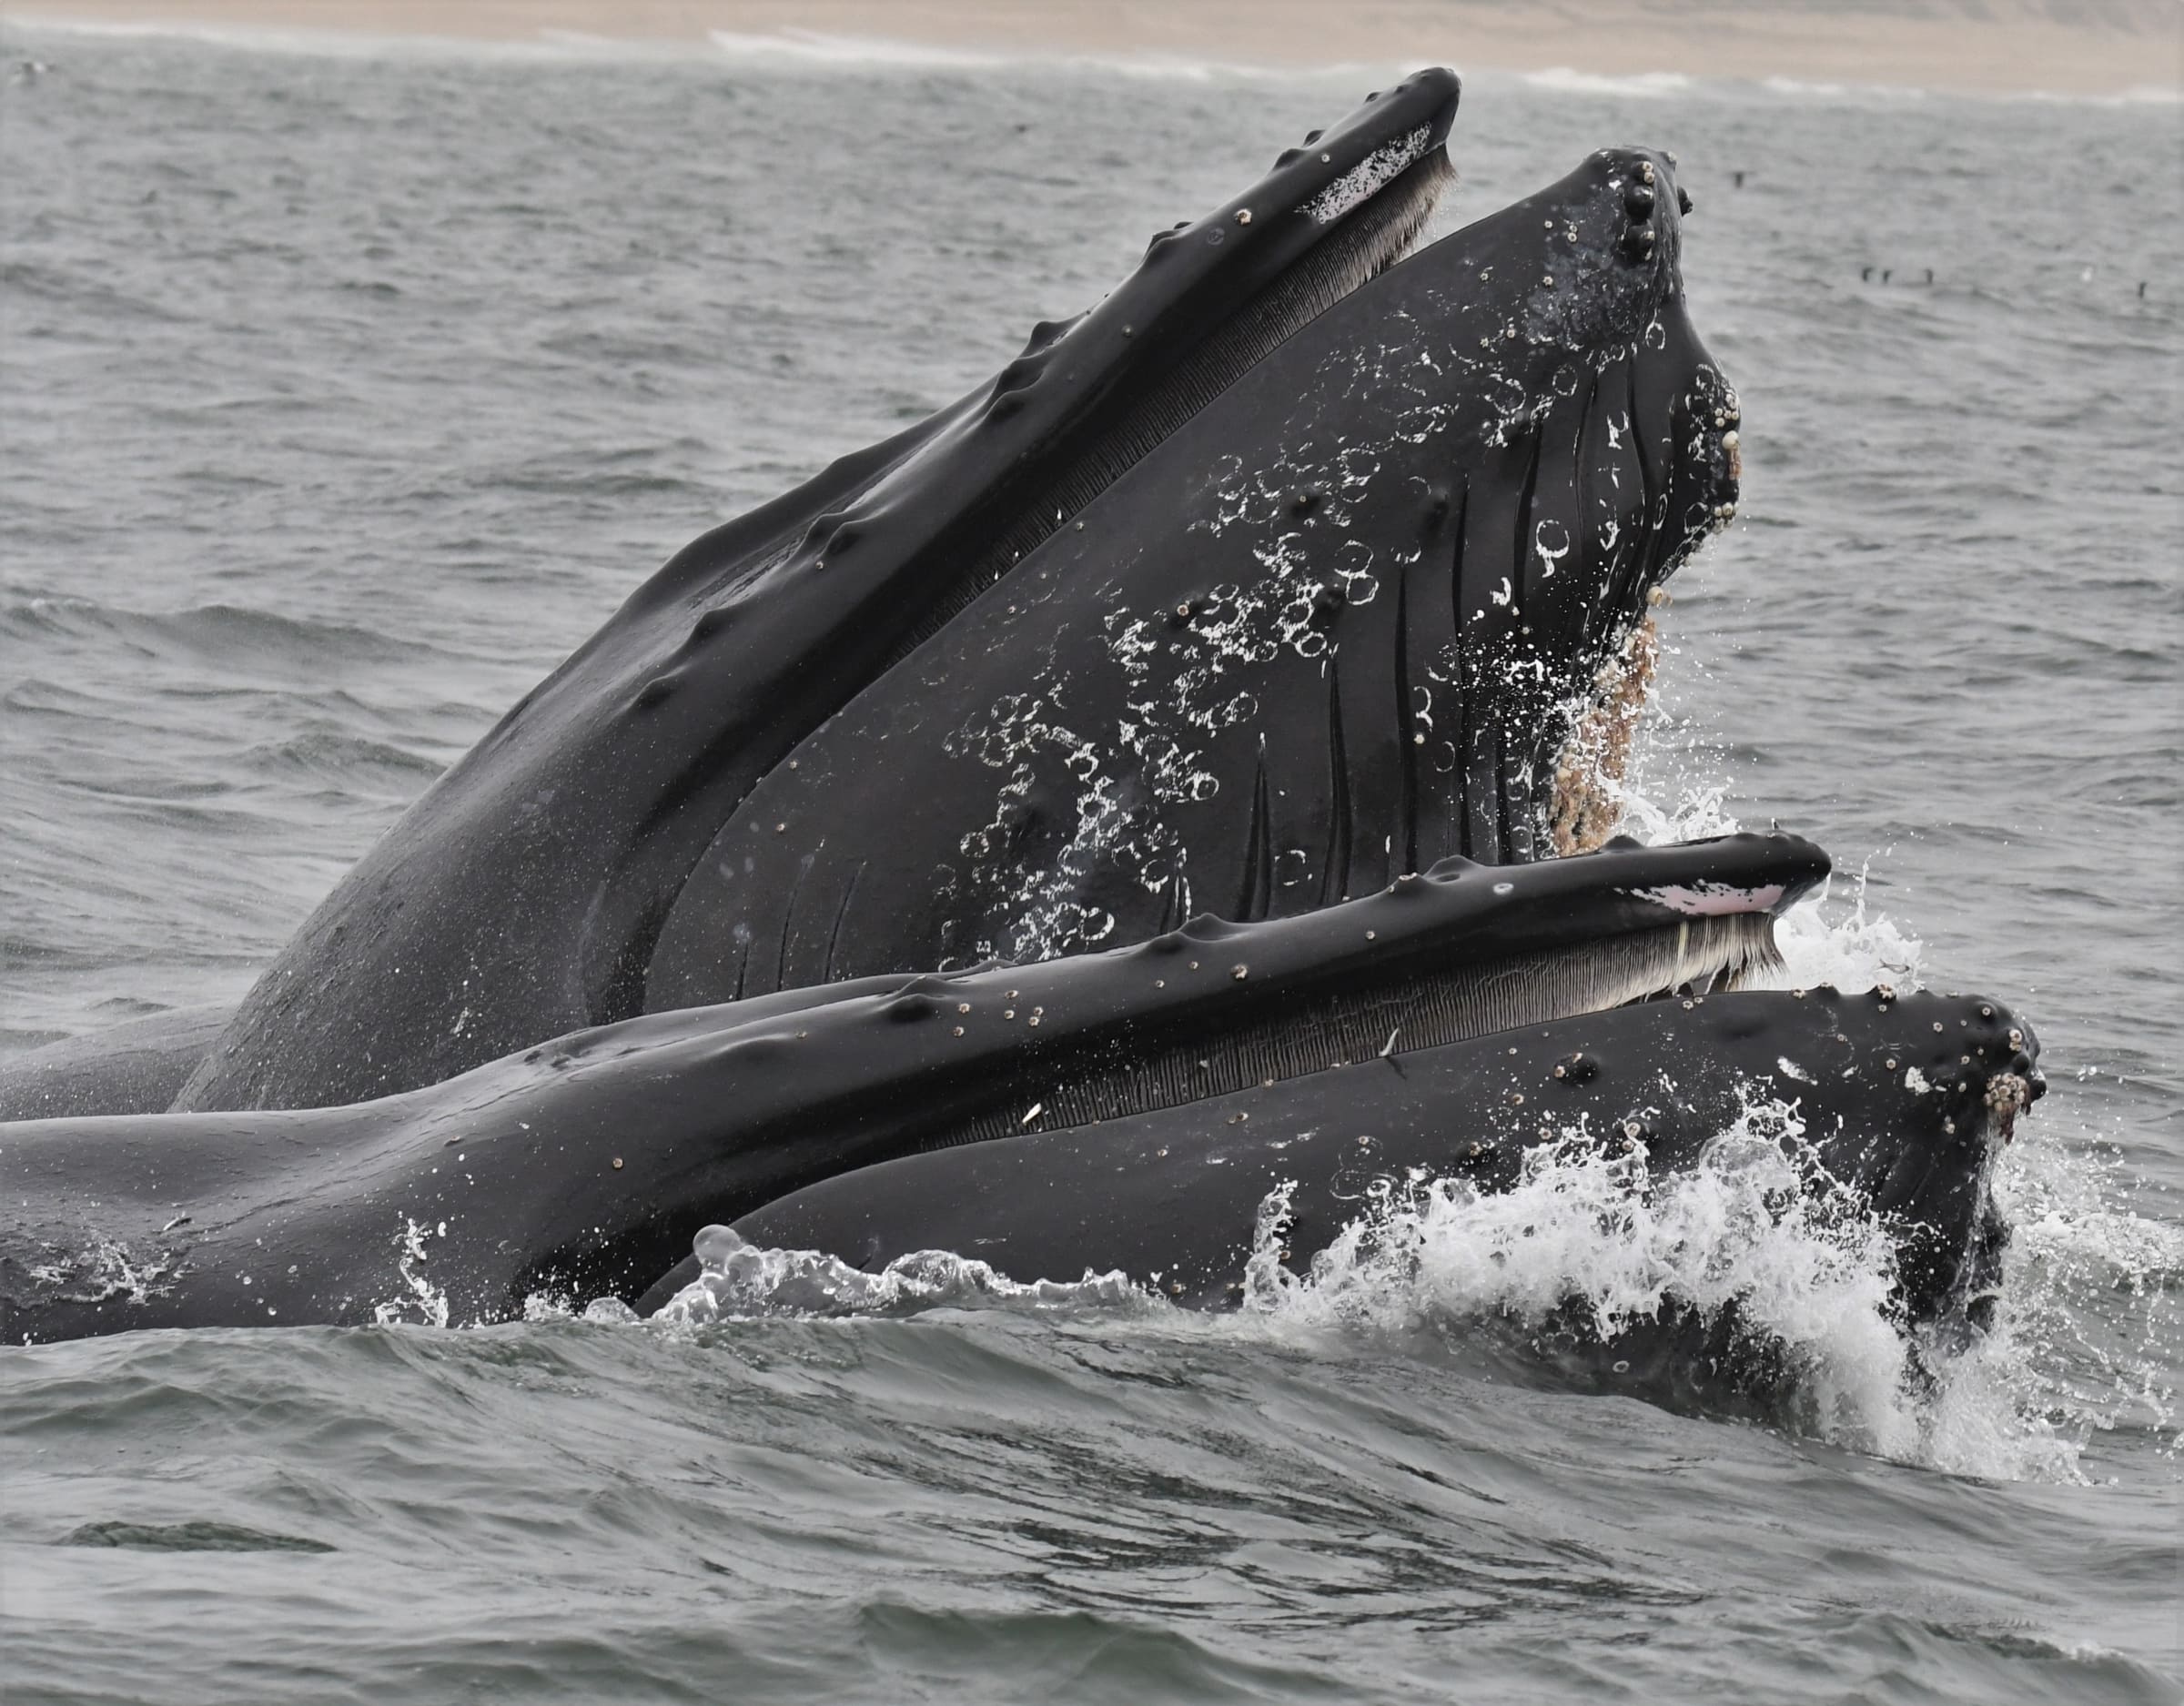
(343, 389)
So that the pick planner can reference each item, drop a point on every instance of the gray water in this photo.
(341, 392)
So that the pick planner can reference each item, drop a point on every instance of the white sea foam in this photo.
(547, 46)
(1752, 1227)
(787, 48)
(1646, 85)
(417, 1301)
(1831, 93)
(821, 49)
(2138, 95)
(107, 1268)
(739, 1280)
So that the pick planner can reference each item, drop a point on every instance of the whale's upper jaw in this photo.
(1349, 617)
(1090, 397)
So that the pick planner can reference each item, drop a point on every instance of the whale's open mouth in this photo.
(1460, 952)
(1389, 1015)
(1281, 573)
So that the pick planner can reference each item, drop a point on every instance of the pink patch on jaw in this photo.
(1712, 900)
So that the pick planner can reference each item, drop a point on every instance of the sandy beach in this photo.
(2065, 47)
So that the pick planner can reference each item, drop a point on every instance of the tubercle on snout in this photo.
(1963, 1065)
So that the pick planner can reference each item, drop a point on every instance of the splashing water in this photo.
(2090, 1285)
(1595, 1237)
(2089, 1306)
(740, 1279)
(420, 1302)
(107, 1268)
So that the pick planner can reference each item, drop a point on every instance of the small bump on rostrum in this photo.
(1682, 200)
(1637, 200)
(654, 691)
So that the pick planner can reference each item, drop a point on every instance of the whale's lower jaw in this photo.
(1877, 1109)
(1378, 1019)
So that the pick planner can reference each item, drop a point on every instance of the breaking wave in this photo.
(1646, 85)
(1775, 1264)
(740, 1279)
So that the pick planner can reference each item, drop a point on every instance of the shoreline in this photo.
(1817, 44)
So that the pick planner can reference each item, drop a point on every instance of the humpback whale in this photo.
(1131, 1109)
(588, 1163)
(1121, 802)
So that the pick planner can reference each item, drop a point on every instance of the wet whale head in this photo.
(1381, 601)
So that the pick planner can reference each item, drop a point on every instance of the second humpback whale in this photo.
(1164, 1110)
(1087, 1108)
